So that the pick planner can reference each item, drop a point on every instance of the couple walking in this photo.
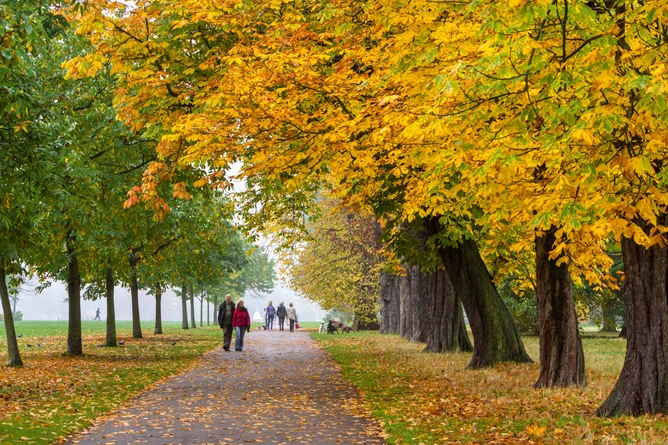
(281, 312)
(233, 317)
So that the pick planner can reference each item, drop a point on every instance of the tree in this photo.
(339, 266)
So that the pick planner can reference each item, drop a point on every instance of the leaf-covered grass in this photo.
(431, 398)
(55, 395)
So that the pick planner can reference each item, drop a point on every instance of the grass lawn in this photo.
(54, 395)
(431, 398)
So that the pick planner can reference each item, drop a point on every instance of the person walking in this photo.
(281, 313)
(292, 316)
(241, 321)
(271, 311)
(97, 315)
(225, 314)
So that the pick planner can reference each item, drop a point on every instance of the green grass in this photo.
(431, 398)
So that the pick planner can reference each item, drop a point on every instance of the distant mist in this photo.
(51, 304)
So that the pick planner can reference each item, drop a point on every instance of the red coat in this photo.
(241, 318)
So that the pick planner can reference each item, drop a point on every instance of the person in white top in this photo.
(292, 316)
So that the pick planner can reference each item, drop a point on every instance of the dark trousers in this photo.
(292, 325)
(281, 322)
(270, 321)
(227, 335)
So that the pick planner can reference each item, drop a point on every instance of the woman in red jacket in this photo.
(241, 321)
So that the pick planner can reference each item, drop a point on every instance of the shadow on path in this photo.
(282, 389)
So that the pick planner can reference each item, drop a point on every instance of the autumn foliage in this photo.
(478, 123)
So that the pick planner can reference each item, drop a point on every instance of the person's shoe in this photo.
(227, 349)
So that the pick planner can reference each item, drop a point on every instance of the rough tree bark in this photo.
(184, 306)
(111, 309)
(390, 303)
(192, 308)
(421, 296)
(158, 309)
(74, 343)
(561, 354)
(134, 292)
(12, 343)
(408, 327)
(642, 387)
(447, 330)
(495, 334)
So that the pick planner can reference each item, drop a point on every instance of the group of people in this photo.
(282, 313)
(235, 317)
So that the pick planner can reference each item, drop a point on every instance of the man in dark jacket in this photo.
(225, 314)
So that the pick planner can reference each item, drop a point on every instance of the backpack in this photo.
(271, 311)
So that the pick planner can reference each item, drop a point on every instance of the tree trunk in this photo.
(158, 309)
(74, 343)
(408, 306)
(447, 332)
(642, 387)
(134, 291)
(465, 344)
(390, 303)
(495, 335)
(420, 283)
(208, 313)
(111, 309)
(12, 343)
(561, 355)
(192, 307)
(609, 323)
(184, 306)
(201, 312)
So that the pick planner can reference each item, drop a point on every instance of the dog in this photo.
(346, 329)
(322, 328)
(332, 327)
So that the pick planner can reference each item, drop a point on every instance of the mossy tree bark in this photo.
(184, 306)
(12, 343)
(561, 354)
(111, 309)
(609, 323)
(390, 303)
(495, 335)
(642, 387)
(158, 309)
(74, 342)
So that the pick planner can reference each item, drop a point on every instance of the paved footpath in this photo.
(282, 389)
